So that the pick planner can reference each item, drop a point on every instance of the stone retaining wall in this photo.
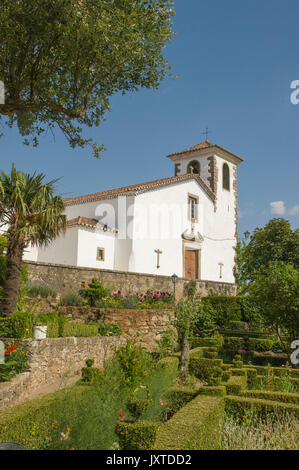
(149, 323)
(65, 279)
(55, 364)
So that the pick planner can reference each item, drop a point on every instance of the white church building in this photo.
(185, 224)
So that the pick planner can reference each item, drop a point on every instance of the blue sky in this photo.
(235, 61)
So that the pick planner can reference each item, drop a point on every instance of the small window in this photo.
(100, 254)
(193, 208)
(225, 177)
(194, 167)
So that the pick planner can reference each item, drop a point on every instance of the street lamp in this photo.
(246, 234)
(174, 279)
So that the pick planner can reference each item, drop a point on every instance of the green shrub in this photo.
(259, 345)
(79, 330)
(196, 342)
(41, 290)
(90, 374)
(21, 325)
(234, 343)
(169, 363)
(94, 292)
(197, 426)
(136, 436)
(226, 308)
(71, 299)
(209, 370)
(5, 328)
(134, 361)
(235, 385)
(51, 320)
(109, 330)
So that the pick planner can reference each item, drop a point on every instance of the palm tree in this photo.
(29, 214)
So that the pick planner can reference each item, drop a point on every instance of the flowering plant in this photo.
(15, 363)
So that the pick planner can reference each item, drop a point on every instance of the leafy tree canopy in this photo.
(62, 60)
(275, 242)
(276, 293)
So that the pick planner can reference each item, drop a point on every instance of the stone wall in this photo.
(68, 279)
(149, 323)
(55, 364)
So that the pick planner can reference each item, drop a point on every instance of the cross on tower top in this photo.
(206, 133)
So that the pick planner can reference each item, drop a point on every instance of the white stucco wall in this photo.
(88, 242)
(63, 250)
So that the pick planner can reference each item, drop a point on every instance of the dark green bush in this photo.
(136, 436)
(42, 290)
(90, 374)
(238, 406)
(204, 368)
(234, 344)
(94, 292)
(226, 308)
(109, 330)
(259, 345)
(175, 399)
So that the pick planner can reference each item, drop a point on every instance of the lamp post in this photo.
(174, 279)
(246, 234)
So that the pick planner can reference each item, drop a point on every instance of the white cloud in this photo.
(277, 207)
(294, 210)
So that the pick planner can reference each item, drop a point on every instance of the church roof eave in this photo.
(138, 189)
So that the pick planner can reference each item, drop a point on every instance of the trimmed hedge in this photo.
(18, 326)
(176, 398)
(240, 405)
(140, 435)
(259, 345)
(197, 426)
(217, 391)
(79, 330)
(199, 342)
(169, 363)
(273, 396)
(235, 385)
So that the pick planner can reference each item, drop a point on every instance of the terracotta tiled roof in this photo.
(88, 222)
(82, 221)
(204, 145)
(136, 188)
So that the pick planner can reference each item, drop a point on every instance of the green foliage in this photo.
(234, 343)
(71, 299)
(259, 345)
(134, 361)
(197, 426)
(139, 402)
(206, 369)
(90, 374)
(276, 292)
(175, 399)
(109, 330)
(70, 57)
(167, 343)
(284, 397)
(236, 384)
(275, 242)
(190, 289)
(93, 292)
(239, 268)
(226, 308)
(21, 325)
(41, 290)
(79, 330)
(205, 323)
(136, 436)
(33, 215)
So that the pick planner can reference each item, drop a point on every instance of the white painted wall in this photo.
(88, 242)
(63, 250)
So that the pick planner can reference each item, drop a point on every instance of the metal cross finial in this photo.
(206, 133)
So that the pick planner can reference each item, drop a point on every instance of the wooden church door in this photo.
(191, 264)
